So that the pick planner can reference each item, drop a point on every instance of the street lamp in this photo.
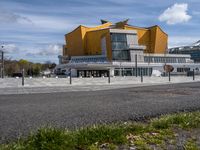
(2, 62)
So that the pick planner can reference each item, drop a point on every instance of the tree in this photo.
(36, 69)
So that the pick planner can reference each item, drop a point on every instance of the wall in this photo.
(143, 36)
(161, 41)
(94, 42)
(76, 41)
(153, 38)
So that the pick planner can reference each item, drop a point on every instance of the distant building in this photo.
(118, 49)
(193, 50)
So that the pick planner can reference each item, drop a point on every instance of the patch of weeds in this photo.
(191, 145)
(183, 120)
(101, 134)
(93, 147)
(149, 139)
(141, 144)
(136, 128)
(107, 146)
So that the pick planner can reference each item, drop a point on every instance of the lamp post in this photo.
(2, 63)
(149, 65)
(136, 66)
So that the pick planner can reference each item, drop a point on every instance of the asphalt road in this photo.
(22, 113)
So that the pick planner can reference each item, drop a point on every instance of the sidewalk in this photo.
(49, 85)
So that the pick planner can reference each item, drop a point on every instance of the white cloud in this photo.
(53, 49)
(51, 23)
(175, 14)
(10, 48)
(11, 17)
(48, 50)
(175, 41)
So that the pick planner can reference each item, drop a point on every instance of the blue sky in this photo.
(34, 29)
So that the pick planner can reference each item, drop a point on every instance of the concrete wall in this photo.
(140, 55)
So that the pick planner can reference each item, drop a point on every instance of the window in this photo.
(132, 71)
(118, 37)
(119, 41)
(119, 47)
(121, 55)
(183, 69)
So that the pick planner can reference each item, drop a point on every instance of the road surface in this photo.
(22, 113)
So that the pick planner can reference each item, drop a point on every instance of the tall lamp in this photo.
(2, 62)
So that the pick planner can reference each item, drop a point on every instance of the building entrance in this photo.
(92, 73)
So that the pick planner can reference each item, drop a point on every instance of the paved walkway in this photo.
(49, 85)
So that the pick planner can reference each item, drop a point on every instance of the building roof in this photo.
(194, 46)
(106, 24)
(196, 43)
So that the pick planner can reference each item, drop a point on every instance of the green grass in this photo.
(191, 145)
(141, 135)
(182, 120)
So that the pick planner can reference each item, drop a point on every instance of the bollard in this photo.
(70, 77)
(193, 75)
(22, 77)
(141, 75)
(169, 76)
(109, 76)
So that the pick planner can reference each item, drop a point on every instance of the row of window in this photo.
(132, 71)
(164, 60)
(89, 60)
(183, 69)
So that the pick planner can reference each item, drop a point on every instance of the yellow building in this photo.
(114, 41)
(118, 50)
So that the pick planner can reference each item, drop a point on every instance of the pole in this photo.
(141, 74)
(148, 65)
(70, 77)
(193, 75)
(169, 76)
(109, 76)
(136, 65)
(121, 69)
(2, 65)
(22, 77)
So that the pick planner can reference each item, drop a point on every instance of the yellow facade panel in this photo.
(75, 42)
(94, 39)
(143, 36)
(161, 41)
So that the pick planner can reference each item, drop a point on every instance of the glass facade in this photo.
(92, 73)
(194, 51)
(119, 47)
(183, 69)
(121, 55)
(154, 59)
(132, 71)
